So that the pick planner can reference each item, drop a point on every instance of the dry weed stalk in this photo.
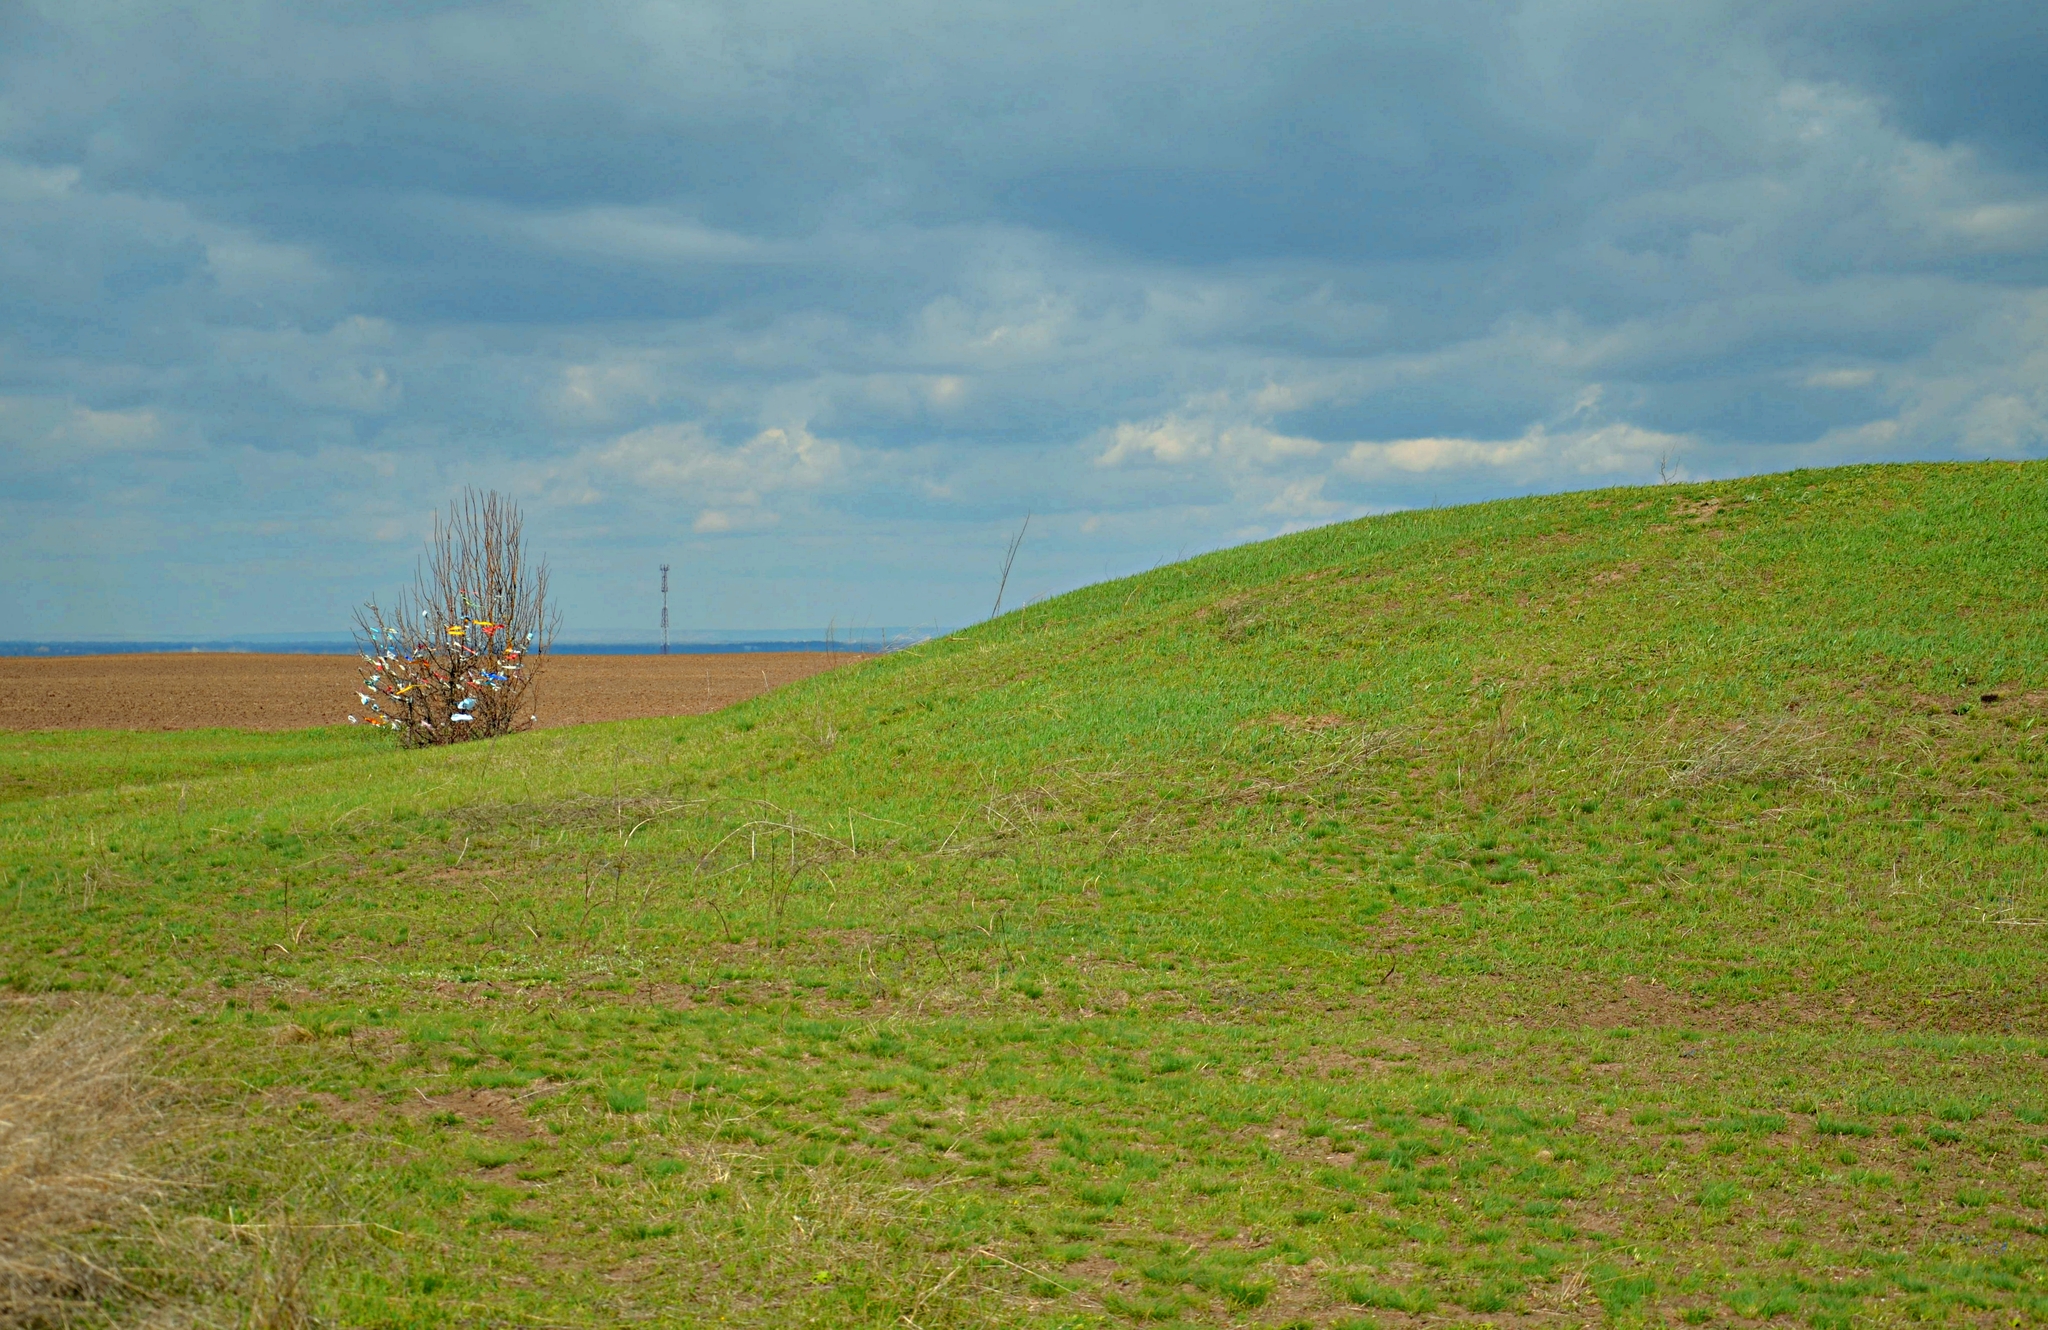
(1009, 558)
(74, 1112)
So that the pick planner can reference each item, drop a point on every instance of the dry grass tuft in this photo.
(1776, 750)
(263, 1268)
(74, 1112)
(83, 1236)
(1238, 618)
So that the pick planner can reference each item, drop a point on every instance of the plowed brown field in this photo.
(250, 691)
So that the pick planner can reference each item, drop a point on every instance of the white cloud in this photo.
(21, 182)
(1372, 460)
(1614, 449)
(2009, 425)
(351, 367)
(109, 431)
(600, 392)
(719, 521)
(1303, 500)
(48, 435)
(1218, 439)
(2016, 227)
(646, 236)
(735, 488)
(1177, 440)
(248, 267)
(1840, 378)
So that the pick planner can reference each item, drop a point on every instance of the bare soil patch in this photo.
(247, 691)
(486, 1112)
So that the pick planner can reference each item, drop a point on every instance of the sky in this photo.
(816, 301)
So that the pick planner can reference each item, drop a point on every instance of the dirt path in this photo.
(252, 691)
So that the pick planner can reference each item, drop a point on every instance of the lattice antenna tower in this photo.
(664, 609)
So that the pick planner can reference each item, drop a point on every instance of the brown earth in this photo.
(254, 691)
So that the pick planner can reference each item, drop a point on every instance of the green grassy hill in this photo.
(1622, 904)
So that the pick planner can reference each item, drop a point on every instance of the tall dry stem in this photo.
(1009, 558)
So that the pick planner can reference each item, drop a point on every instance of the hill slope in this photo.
(1626, 901)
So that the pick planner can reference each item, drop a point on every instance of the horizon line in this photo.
(728, 640)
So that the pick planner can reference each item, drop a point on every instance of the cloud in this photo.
(1615, 449)
(25, 182)
(57, 437)
(1840, 378)
(812, 300)
(96, 432)
(1174, 441)
(1304, 501)
(718, 521)
(732, 488)
(599, 392)
(681, 459)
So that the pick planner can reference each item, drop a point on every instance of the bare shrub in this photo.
(455, 657)
(73, 1114)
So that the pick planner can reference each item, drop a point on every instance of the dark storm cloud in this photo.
(816, 298)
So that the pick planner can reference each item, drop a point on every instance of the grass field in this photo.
(1622, 905)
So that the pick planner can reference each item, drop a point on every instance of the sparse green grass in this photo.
(38, 763)
(1621, 904)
